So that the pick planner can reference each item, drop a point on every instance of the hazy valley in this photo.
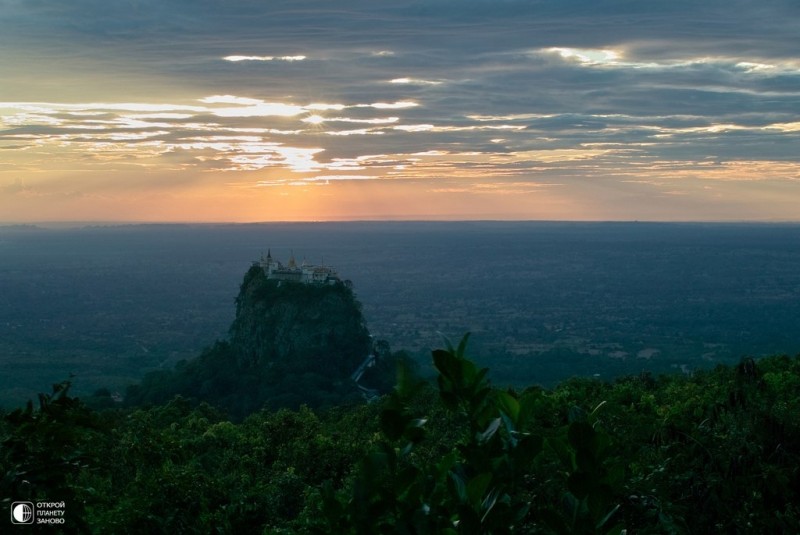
(544, 301)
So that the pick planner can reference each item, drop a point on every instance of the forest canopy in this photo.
(716, 451)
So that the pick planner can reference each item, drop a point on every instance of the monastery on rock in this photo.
(305, 273)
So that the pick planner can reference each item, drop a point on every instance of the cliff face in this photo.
(290, 344)
(291, 327)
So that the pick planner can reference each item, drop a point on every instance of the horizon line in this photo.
(102, 223)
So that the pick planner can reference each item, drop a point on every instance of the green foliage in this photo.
(594, 481)
(44, 449)
(471, 488)
(183, 469)
(715, 452)
(673, 455)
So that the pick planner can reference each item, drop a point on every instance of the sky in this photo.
(291, 110)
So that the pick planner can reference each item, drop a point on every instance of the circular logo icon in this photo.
(22, 513)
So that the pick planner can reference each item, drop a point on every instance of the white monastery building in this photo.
(305, 273)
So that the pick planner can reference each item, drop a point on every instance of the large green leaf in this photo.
(489, 432)
(462, 346)
(476, 488)
(581, 435)
(510, 406)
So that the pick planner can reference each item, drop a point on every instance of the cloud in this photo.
(389, 105)
(236, 59)
(414, 81)
(481, 90)
(318, 119)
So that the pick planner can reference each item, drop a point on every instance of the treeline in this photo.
(715, 452)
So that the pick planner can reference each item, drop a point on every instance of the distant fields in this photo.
(543, 300)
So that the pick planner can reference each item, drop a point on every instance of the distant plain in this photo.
(543, 300)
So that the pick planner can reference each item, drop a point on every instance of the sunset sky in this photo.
(256, 110)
